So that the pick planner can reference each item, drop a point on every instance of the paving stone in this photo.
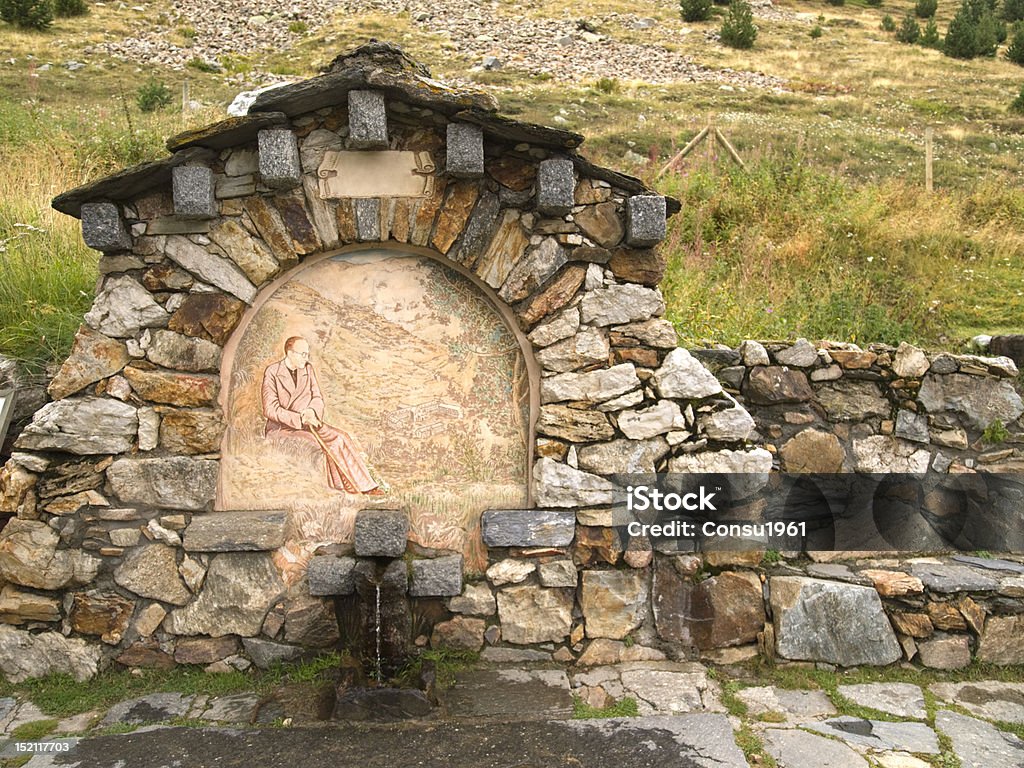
(800, 704)
(901, 699)
(667, 686)
(541, 692)
(878, 734)
(979, 744)
(154, 708)
(703, 740)
(799, 749)
(991, 700)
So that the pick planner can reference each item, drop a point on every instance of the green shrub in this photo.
(874, 3)
(152, 95)
(836, 2)
(27, 14)
(66, 8)
(202, 66)
(974, 31)
(1013, 10)
(1015, 52)
(816, 31)
(909, 31)
(930, 36)
(298, 27)
(1002, 31)
(925, 9)
(888, 24)
(738, 29)
(695, 10)
(1017, 105)
(607, 84)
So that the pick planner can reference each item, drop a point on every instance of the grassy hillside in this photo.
(828, 234)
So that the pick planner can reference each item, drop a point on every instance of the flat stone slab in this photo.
(991, 700)
(236, 532)
(687, 741)
(979, 744)
(901, 699)
(26, 712)
(799, 749)
(953, 578)
(667, 687)
(990, 564)
(878, 734)
(8, 708)
(240, 708)
(528, 527)
(837, 572)
(508, 692)
(154, 708)
(701, 740)
(800, 704)
(513, 655)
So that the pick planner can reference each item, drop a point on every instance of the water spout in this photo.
(378, 673)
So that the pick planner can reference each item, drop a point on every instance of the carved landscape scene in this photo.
(423, 374)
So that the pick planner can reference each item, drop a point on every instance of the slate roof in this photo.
(374, 66)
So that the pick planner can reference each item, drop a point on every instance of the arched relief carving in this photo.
(420, 366)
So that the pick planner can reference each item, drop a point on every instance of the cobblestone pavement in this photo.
(521, 717)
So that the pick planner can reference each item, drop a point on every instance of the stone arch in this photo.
(309, 291)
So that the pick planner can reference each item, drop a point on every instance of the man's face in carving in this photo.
(298, 355)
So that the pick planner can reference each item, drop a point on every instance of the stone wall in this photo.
(116, 552)
(835, 407)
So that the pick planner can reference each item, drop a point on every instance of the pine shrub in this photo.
(1015, 52)
(27, 14)
(1017, 105)
(974, 31)
(70, 7)
(738, 29)
(874, 3)
(909, 31)
(930, 36)
(1013, 10)
(925, 9)
(152, 95)
(888, 25)
(695, 10)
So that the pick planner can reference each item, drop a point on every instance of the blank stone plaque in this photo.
(375, 174)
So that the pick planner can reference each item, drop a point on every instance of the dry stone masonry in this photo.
(116, 552)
